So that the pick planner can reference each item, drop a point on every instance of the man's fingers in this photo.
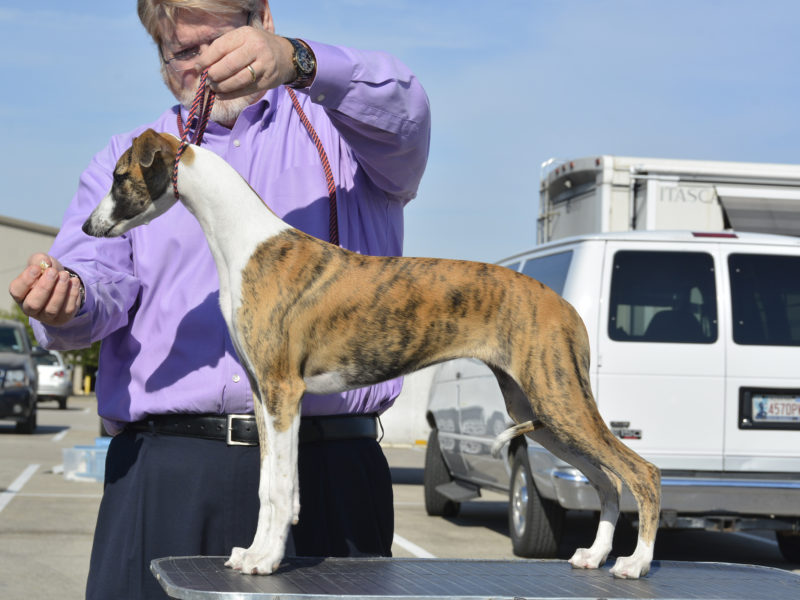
(20, 287)
(45, 291)
(54, 309)
(38, 296)
(229, 57)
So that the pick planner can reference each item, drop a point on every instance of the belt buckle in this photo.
(229, 431)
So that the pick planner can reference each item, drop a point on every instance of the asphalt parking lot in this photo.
(46, 521)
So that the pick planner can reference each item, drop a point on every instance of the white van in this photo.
(695, 365)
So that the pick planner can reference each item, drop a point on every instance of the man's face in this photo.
(193, 32)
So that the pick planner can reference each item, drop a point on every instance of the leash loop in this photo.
(201, 105)
(333, 224)
(204, 101)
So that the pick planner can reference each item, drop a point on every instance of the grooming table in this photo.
(202, 578)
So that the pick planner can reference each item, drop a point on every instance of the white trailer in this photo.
(616, 193)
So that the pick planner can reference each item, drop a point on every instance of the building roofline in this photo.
(28, 226)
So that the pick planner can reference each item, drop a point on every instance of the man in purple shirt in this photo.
(178, 482)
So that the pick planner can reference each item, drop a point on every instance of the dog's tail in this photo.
(512, 432)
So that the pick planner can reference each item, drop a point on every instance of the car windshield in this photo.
(46, 359)
(11, 340)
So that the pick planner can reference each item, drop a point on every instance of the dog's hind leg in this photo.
(608, 487)
(606, 483)
(604, 459)
(561, 398)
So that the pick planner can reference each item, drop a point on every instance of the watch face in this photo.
(304, 61)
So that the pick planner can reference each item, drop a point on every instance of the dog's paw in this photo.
(587, 558)
(261, 564)
(630, 567)
(251, 562)
(235, 560)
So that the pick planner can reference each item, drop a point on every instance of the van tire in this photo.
(436, 473)
(28, 426)
(534, 523)
(789, 544)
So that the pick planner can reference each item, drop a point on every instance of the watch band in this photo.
(305, 64)
(82, 290)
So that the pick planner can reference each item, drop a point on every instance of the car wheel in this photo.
(62, 403)
(534, 522)
(28, 425)
(789, 544)
(436, 473)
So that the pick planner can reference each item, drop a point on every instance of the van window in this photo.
(11, 340)
(513, 266)
(551, 270)
(663, 297)
(765, 298)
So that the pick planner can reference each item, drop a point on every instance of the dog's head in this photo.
(141, 190)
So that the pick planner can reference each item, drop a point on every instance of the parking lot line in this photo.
(16, 485)
(411, 547)
(60, 435)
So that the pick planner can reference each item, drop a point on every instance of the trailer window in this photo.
(551, 270)
(663, 297)
(765, 299)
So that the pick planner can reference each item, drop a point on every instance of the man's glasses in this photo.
(184, 60)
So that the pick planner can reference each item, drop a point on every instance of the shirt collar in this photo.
(261, 110)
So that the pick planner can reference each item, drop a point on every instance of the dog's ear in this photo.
(148, 145)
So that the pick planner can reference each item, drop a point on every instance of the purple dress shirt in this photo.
(152, 295)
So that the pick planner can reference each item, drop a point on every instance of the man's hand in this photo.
(228, 58)
(45, 291)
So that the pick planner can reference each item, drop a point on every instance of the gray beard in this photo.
(224, 112)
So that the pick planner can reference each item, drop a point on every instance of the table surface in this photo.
(206, 578)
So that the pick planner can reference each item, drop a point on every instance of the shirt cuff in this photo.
(335, 71)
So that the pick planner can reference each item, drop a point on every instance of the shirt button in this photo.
(236, 379)
(237, 143)
(321, 97)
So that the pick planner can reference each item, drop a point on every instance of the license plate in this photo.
(775, 408)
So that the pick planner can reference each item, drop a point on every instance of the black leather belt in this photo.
(241, 430)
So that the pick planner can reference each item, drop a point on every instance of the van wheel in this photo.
(62, 403)
(436, 473)
(27, 426)
(535, 523)
(789, 544)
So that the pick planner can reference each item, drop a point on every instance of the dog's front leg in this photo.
(277, 490)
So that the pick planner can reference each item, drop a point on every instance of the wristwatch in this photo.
(305, 65)
(81, 290)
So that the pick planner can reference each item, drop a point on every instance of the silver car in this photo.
(55, 377)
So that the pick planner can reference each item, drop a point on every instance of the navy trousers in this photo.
(169, 495)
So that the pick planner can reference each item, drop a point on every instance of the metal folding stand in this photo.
(206, 578)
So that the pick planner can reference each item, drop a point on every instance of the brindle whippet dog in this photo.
(307, 316)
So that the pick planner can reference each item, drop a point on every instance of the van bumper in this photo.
(15, 404)
(684, 494)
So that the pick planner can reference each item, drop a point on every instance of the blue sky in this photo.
(511, 84)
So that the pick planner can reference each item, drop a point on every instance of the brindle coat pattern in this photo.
(308, 311)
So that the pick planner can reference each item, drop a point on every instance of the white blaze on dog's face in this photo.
(141, 190)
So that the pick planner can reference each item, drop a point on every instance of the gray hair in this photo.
(151, 12)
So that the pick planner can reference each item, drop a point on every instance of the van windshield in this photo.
(765, 298)
(663, 297)
(550, 270)
(11, 340)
